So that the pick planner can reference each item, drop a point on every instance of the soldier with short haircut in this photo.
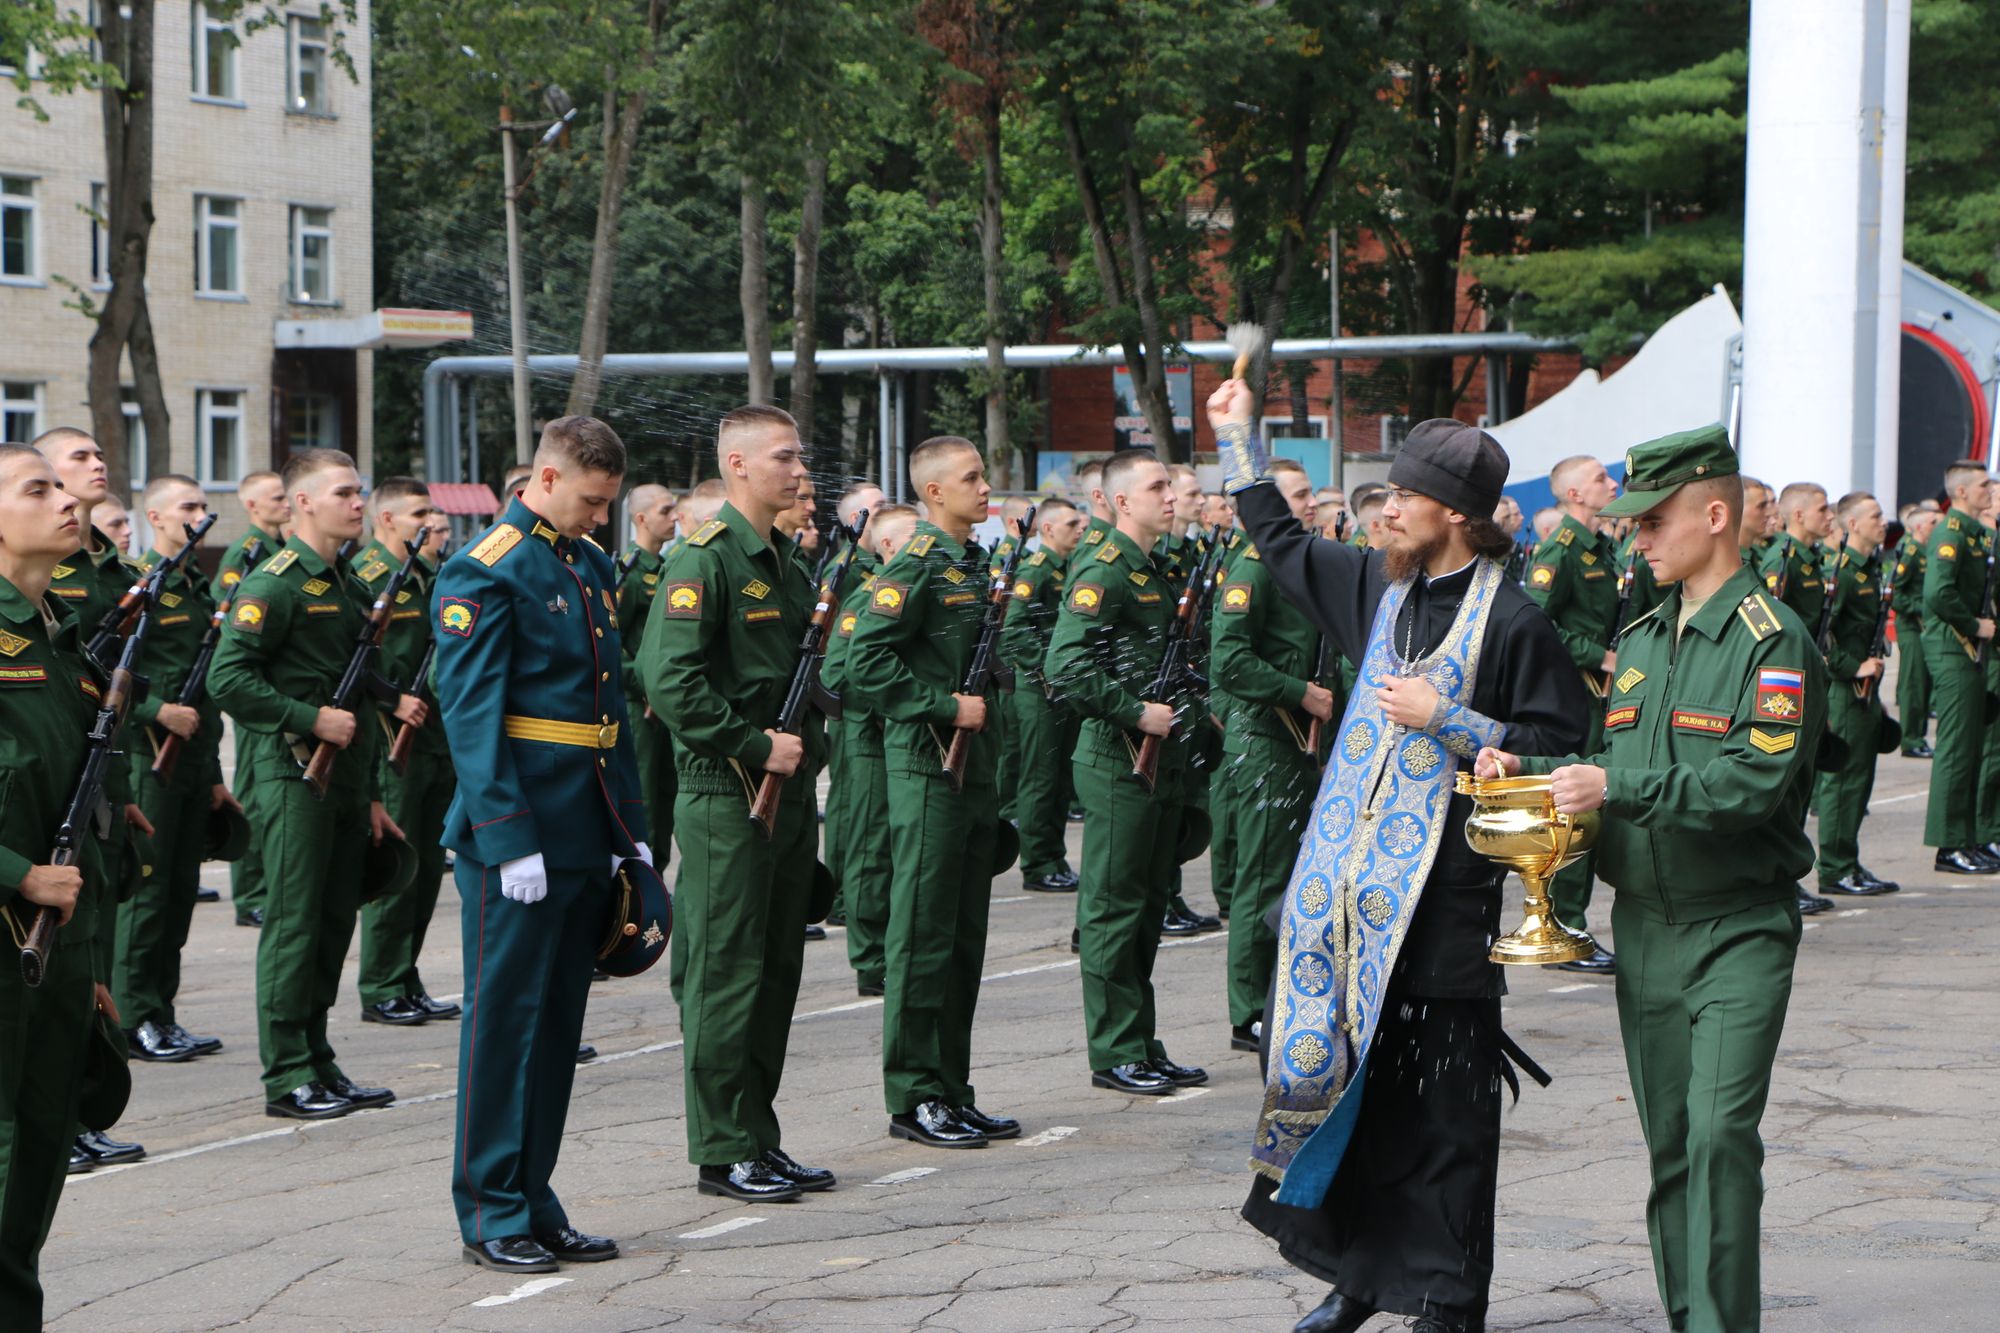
(1913, 672)
(652, 509)
(1854, 709)
(269, 510)
(1045, 725)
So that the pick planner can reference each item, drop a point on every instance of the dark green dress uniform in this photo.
(1913, 670)
(1954, 576)
(1263, 651)
(718, 658)
(292, 629)
(1708, 752)
(1008, 774)
(1574, 578)
(857, 801)
(1103, 655)
(1841, 794)
(909, 653)
(246, 872)
(48, 700)
(393, 926)
(650, 741)
(153, 926)
(1796, 572)
(1043, 731)
(531, 703)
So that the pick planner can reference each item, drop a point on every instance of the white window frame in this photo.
(31, 205)
(204, 26)
(11, 404)
(331, 403)
(300, 230)
(296, 43)
(204, 221)
(206, 414)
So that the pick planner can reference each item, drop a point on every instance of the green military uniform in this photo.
(717, 660)
(1263, 652)
(48, 700)
(1103, 655)
(1645, 592)
(246, 872)
(650, 741)
(1954, 576)
(1913, 671)
(1841, 794)
(1796, 572)
(1044, 730)
(292, 628)
(1008, 777)
(857, 801)
(1574, 578)
(1200, 742)
(153, 926)
(907, 658)
(393, 925)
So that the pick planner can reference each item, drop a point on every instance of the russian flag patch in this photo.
(1781, 694)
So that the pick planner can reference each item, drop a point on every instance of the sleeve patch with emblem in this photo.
(457, 616)
(1781, 694)
(1543, 576)
(684, 601)
(231, 577)
(1086, 599)
(887, 599)
(1024, 590)
(847, 623)
(1947, 552)
(1236, 597)
(250, 613)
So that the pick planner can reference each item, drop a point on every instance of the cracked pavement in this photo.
(1883, 1167)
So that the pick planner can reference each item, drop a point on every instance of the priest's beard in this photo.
(1407, 555)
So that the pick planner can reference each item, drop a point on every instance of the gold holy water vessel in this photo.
(1514, 822)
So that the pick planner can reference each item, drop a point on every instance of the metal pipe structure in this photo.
(517, 318)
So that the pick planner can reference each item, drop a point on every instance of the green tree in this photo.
(1953, 199)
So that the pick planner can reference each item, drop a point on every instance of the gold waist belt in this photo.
(586, 734)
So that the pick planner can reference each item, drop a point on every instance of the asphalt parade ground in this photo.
(1111, 1212)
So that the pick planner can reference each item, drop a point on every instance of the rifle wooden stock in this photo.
(957, 755)
(1146, 762)
(764, 805)
(980, 671)
(399, 749)
(1175, 668)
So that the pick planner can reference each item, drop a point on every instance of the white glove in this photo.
(644, 853)
(525, 879)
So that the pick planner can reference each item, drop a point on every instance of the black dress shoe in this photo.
(808, 1178)
(1811, 904)
(1247, 1037)
(1140, 1079)
(815, 933)
(1870, 877)
(1921, 750)
(204, 894)
(201, 1045)
(936, 1125)
(309, 1101)
(1058, 881)
(1437, 1323)
(754, 1181)
(1335, 1314)
(836, 919)
(577, 1247)
(400, 1012)
(1181, 1076)
(1202, 920)
(1963, 861)
(585, 1053)
(598, 974)
(1177, 924)
(867, 988)
(992, 1126)
(512, 1254)
(1075, 940)
(151, 1042)
(360, 1096)
(1853, 886)
(1602, 962)
(80, 1161)
(438, 1009)
(254, 918)
(1075, 814)
(104, 1150)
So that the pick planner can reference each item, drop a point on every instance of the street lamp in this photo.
(513, 183)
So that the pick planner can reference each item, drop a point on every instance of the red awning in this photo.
(464, 497)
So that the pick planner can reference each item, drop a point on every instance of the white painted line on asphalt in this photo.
(525, 1290)
(175, 1156)
(1017, 898)
(1891, 800)
(1853, 911)
(723, 1228)
(1053, 1134)
(901, 1177)
(1184, 1094)
(1908, 895)
(1565, 990)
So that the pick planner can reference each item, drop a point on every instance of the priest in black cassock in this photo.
(1377, 1151)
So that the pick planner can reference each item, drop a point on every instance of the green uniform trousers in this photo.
(659, 783)
(1225, 836)
(152, 928)
(940, 892)
(1045, 736)
(44, 1036)
(314, 854)
(528, 975)
(1913, 687)
(246, 873)
(1986, 822)
(1701, 1006)
(1841, 796)
(737, 954)
(1569, 891)
(857, 840)
(393, 926)
(1121, 901)
(1270, 793)
(1951, 818)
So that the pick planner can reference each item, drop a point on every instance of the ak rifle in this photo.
(1878, 642)
(1177, 662)
(986, 664)
(319, 769)
(1985, 606)
(143, 594)
(420, 682)
(196, 685)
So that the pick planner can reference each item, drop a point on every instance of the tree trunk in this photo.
(805, 295)
(991, 256)
(1153, 400)
(753, 290)
(621, 139)
(145, 354)
(128, 174)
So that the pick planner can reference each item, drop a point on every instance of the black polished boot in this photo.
(577, 1247)
(754, 1181)
(153, 1043)
(399, 1012)
(1601, 963)
(1335, 1314)
(309, 1101)
(933, 1124)
(992, 1126)
(360, 1096)
(201, 1045)
(1854, 886)
(105, 1151)
(1870, 877)
(1140, 1079)
(808, 1178)
(1964, 861)
(1247, 1037)
(1181, 1076)
(512, 1254)
(438, 1009)
(1056, 881)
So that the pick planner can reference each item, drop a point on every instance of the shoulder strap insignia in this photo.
(1093, 537)
(1039, 558)
(1564, 536)
(1637, 621)
(281, 562)
(496, 544)
(920, 546)
(1757, 614)
(1109, 555)
(1251, 552)
(371, 571)
(593, 541)
(708, 532)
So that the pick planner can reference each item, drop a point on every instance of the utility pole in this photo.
(517, 316)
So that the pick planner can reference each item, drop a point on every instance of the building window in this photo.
(218, 231)
(18, 240)
(310, 91)
(218, 424)
(315, 421)
(215, 47)
(135, 437)
(20, 411)
(312, 255)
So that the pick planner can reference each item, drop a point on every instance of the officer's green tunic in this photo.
(908, 655)
(1796, 572)
(528, 691)
(1008, 767)
(1103, 655)
(1708, 759)
(857, 802)
(153, 926)
(650, 741)
(48, 700)
(1841, 795)
(717, 660)
(1913, 671)
(246, 872)
(1044, 731)
(393, 926)
(292, 629)
(1574, 578)
(1954, 576)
